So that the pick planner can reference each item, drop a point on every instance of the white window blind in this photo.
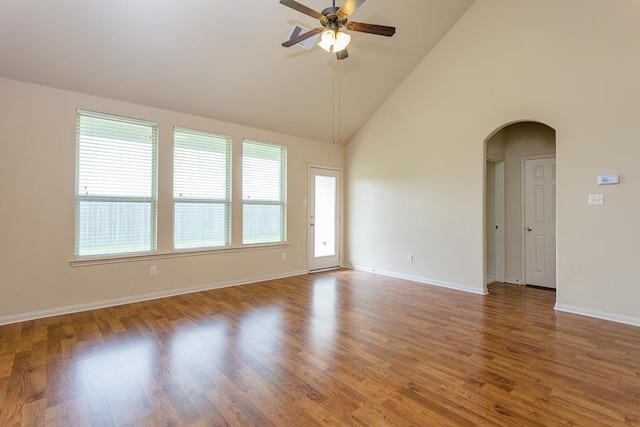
(201, 189)
(115, 185)
(264, 172)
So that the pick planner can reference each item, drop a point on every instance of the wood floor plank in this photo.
(340, 348)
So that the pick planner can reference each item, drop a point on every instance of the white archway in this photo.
(504, 149)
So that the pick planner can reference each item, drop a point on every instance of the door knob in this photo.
(529, 229)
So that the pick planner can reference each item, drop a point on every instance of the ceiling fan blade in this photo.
(349, 7)
(302, 37)
(343, 54)
(381, 30)
(301, 8)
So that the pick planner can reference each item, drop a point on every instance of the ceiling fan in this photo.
(333, 20)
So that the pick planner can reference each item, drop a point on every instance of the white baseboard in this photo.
(490, 279)
(181, 291)
(513, 281)
(421, 280)
(634, 321)
(138, 298)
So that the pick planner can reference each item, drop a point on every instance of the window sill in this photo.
(82, 262)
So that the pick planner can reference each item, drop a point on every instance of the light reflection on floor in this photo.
(117, 378)
(324, 321)
(262, 330)
(198, 352)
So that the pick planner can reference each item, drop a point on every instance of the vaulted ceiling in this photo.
(221, 59)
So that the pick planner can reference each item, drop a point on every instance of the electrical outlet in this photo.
(409, 258)
(284, 255)
(153, 271)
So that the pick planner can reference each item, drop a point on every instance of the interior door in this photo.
(324, 219)
(540, 222)
(495, 219)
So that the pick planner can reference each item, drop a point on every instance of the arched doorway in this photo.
(518, 158)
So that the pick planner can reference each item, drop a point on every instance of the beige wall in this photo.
(415, 170)
(37, 173)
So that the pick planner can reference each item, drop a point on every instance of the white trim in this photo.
(539, 156)
(138, 298)
(633, 321)
(112, 116)
(490, 279)
(422, 280)
(513, 281)
(322, 270)
(340, 244)
(179, 253)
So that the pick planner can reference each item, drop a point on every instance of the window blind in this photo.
(264, 171)
(116, 163)
(201, 189)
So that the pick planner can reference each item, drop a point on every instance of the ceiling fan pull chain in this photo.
(333, 109)
(336, 119)
(339, 103)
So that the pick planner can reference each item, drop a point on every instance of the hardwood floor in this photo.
(335, 348)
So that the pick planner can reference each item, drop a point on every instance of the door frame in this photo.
(523, 225)
(338, 221)
(500, 216)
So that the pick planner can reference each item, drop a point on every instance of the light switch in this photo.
(596, 199)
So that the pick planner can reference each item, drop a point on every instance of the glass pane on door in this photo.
(325, 216)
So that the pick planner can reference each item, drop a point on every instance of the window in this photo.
(264, 171)
(115, 185)
(201, 189)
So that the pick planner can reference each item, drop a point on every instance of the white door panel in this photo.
(540, 222)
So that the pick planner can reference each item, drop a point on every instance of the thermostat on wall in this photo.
(608, 179)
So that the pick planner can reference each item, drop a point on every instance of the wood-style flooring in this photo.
(335, 348)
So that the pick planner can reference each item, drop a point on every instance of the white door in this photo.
(324, 219)
(495, 220)
(540, 222)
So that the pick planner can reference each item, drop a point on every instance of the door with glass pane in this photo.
(324, 219)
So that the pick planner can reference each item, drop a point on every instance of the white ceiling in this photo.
(220, 59)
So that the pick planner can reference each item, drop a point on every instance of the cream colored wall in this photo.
(415, 170)
(520, 140)
(37, 175)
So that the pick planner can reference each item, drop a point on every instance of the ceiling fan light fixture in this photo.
(327, 40)
(332, 20)
(325, 46)
(329, 35)
(342, 41)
